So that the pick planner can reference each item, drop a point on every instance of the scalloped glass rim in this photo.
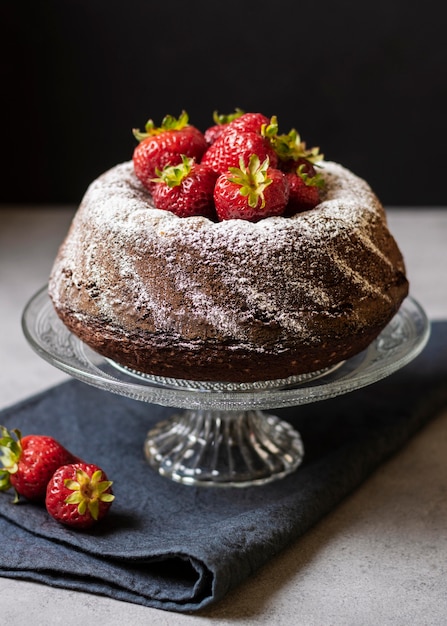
(398, 344)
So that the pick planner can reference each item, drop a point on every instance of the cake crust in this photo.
(229, 301)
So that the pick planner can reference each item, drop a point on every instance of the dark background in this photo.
(367, 82)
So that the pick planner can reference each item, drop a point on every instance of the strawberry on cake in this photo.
(237, 254)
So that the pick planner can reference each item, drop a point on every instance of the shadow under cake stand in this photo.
(223, 437)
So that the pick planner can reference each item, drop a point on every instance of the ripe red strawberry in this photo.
(251, 192)
(164, 145)
(304, 190)
(185, 189)
(249, 123)
(231, 147)
(79, 495)
(29, 462)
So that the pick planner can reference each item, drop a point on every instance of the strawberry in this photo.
(304, 189)
(164, 145)
(238, 121)
(231, 147)
(79, 495)
(29, 462)
(251, 192)
(249, 123)
(185, 189)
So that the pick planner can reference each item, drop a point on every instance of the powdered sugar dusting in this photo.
(146, 267)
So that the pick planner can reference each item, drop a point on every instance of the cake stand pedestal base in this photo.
(224, 448)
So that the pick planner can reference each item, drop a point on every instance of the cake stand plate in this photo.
(224, 437)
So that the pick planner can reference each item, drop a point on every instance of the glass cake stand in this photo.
(224, 437)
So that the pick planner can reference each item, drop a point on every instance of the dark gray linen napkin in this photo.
(180, 548)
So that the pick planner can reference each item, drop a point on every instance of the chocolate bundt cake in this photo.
(235, 300)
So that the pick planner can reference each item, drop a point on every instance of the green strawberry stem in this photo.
(10, 453)
(311, 181)
(88, 492)
(253, 179)
(168, 123)
(270, 131)
(220, 119)
(173, 175)
(290, 146)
